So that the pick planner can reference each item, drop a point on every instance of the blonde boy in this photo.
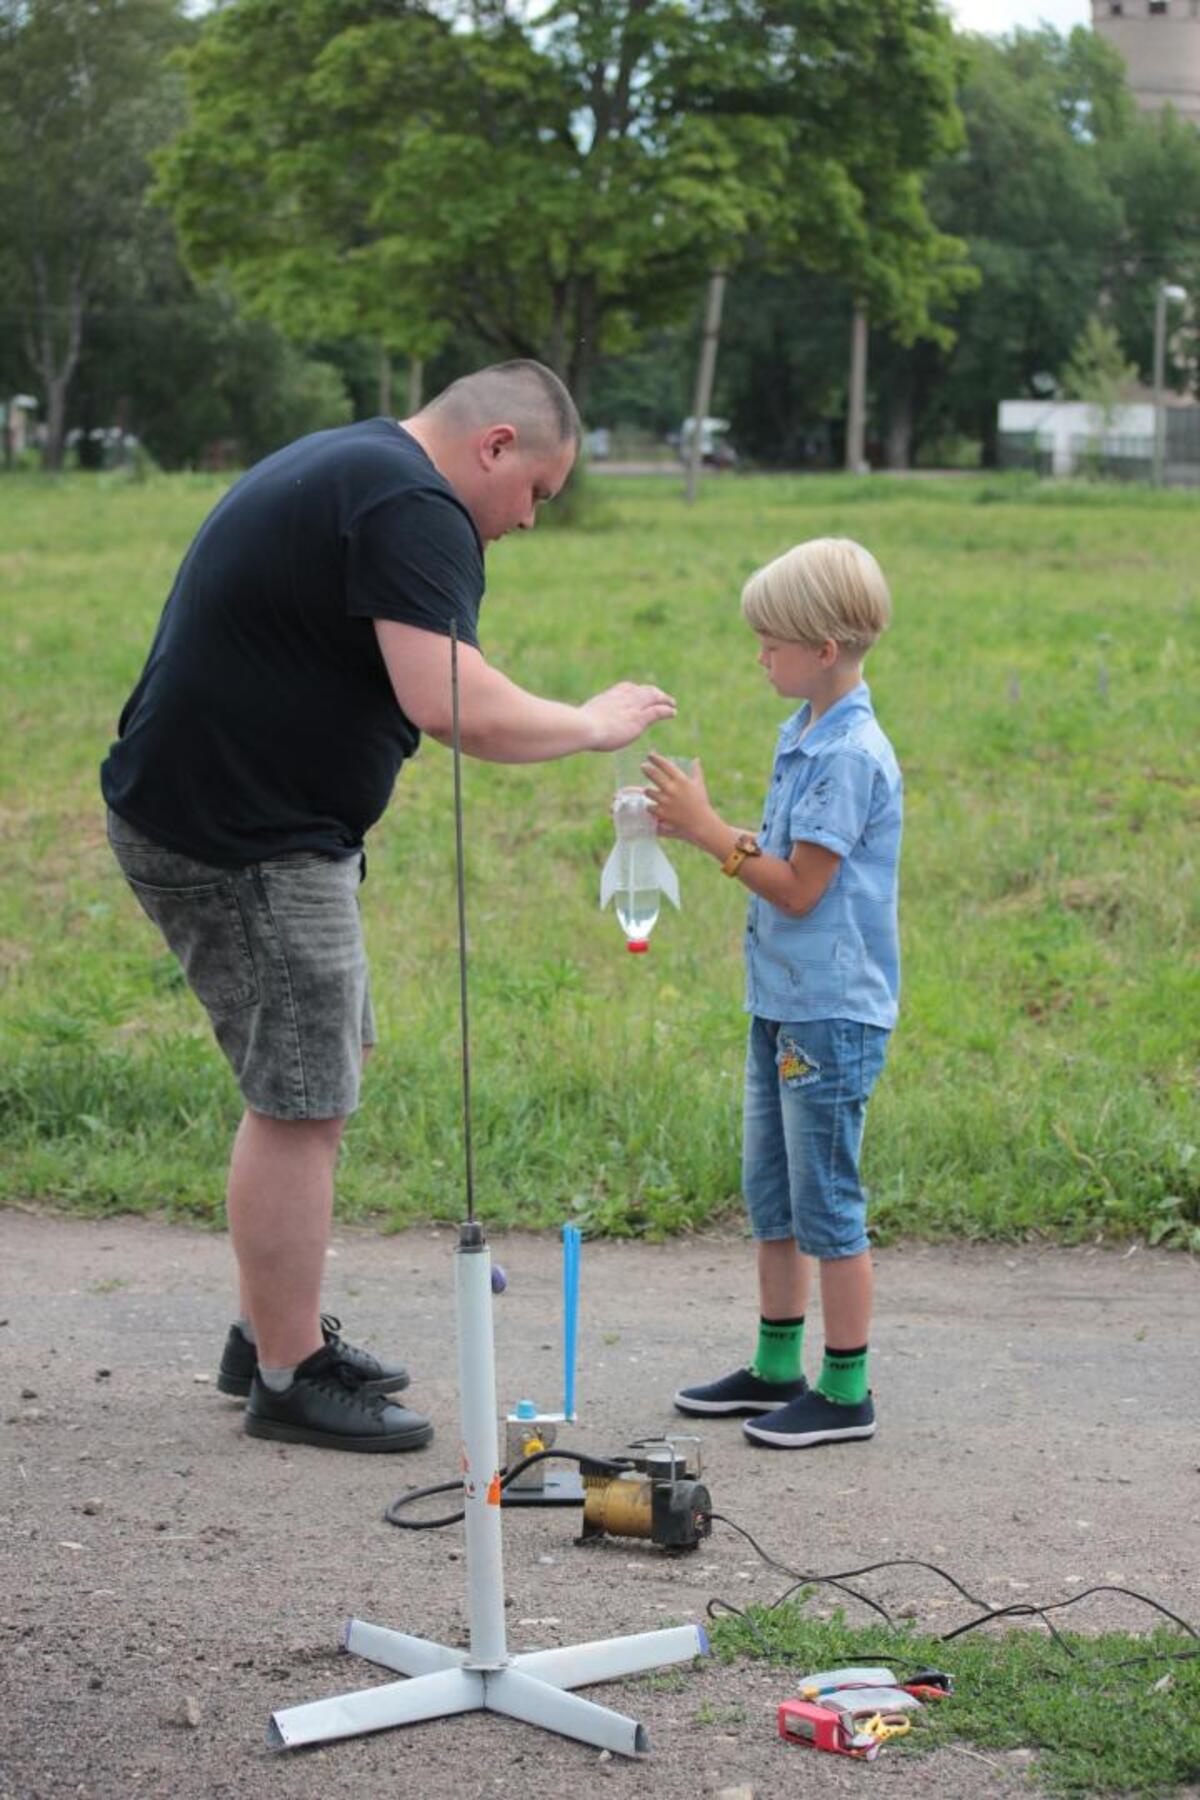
(822, 980)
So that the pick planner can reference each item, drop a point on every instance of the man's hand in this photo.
(620, 714)
(679, 802)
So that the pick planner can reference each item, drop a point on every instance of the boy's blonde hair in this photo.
(825, 588)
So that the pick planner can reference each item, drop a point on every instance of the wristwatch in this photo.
(744, 845)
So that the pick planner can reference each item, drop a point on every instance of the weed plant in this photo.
(1039, 684)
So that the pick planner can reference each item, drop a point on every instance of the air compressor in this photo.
(658, 1496)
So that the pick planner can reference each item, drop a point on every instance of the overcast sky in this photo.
(1001, 15)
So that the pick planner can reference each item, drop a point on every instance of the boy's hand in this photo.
(679, 802)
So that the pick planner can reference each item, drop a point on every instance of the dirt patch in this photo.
(166, 1582)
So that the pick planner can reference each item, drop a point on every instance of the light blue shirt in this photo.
(839, 785)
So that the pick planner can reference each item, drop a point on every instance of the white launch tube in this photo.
(481, 1463)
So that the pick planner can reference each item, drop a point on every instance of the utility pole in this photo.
(704, 376)
(1165, 291)
(856, 413)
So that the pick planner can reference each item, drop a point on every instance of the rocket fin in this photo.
(610, 879)
(665, 876)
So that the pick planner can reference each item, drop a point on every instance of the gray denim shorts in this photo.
(274, 952)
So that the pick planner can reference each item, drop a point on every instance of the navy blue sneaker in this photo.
(812, 1419)
(741, 1392)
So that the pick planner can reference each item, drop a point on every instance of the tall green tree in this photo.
(554, 189)
(1153, 168)
(1097, 370)
(1073, 204)
(1032, 197)
(83, 100)
(867, 94)
(296, 111)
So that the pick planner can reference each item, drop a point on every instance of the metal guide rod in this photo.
(535, 1686)
(456, 738)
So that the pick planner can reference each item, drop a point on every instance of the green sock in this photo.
(843, 1377)
(780, 1350)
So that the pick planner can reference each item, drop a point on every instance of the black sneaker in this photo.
(741, 1392)
(328, 1405)
(812, 1419)
(239, 1361)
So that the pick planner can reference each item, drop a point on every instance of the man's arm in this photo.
(501, 722)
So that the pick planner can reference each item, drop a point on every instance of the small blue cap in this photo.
(526, 1409)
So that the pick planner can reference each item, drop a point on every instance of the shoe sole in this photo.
(805, 1440)
(706, 1408)
(416, 1439)
(238, 1386)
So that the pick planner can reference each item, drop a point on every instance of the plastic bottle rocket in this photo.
(637, 872)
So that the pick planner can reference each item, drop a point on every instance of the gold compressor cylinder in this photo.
(620, 1505)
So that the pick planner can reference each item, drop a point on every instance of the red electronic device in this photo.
(820, 1728)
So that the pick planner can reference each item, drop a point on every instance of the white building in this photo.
(1071, 437)
(1065, 433)
(1160, 42)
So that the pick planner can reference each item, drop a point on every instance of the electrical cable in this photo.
(803, 1580)
(839, 1579)
(1019, 1609)
(604, 1465)
(886, 1652)
(1025, 1609)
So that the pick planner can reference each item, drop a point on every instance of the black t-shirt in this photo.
(264, 720)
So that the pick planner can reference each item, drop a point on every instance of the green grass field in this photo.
(1111, 1713)
(1040, 686)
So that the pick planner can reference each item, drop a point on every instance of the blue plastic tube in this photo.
(571, 1243)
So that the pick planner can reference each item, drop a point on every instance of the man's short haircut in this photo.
(524, 394)
(825, 588)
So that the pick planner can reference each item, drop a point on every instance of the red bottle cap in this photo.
(639, 946)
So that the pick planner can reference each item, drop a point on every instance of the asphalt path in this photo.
(166, 1583)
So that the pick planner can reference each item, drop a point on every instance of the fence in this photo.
(1112, 457)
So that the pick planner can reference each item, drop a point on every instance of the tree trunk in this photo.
(556, 343)
(53, 368)
(583, 350)
(856, 416)
(53, 448)
(385, 381)
(416, 383)
(989, 438)
(900, 424)
(122, 424)
(705, 370)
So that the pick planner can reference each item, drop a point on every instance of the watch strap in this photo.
(744, 846)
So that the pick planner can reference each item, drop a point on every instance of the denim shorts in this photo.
(807, 1087)
(274, 952)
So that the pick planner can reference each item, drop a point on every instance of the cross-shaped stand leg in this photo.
(537, 1686)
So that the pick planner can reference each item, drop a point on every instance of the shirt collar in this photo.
(830, 725)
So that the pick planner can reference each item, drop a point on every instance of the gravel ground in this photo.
(166, 1582)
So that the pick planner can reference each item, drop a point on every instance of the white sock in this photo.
(247, 1330)
(277, 1379)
